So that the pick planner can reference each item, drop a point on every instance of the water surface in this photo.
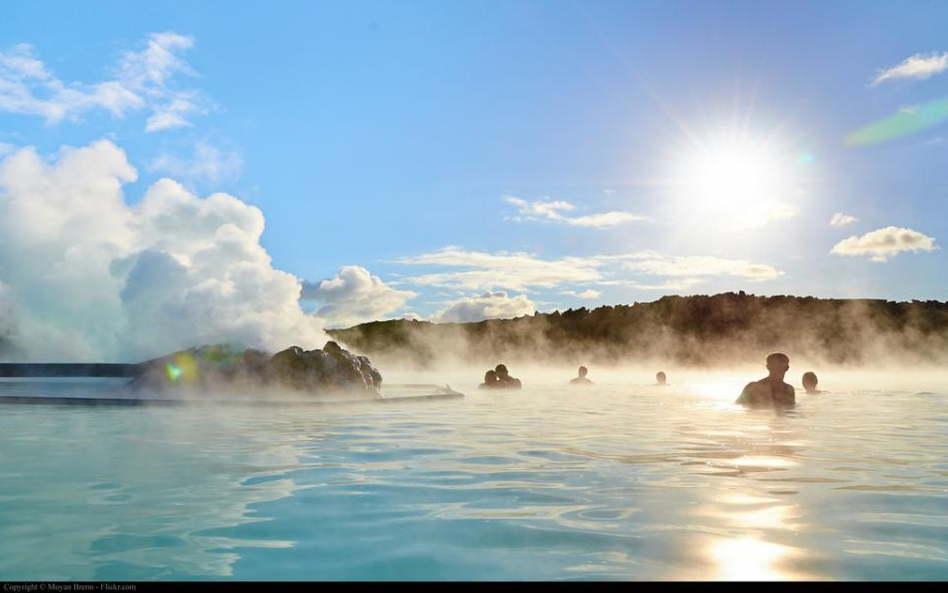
(619, 481)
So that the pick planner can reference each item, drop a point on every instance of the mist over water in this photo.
(624, 480)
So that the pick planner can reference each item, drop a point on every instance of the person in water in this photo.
(810, 382)
(490, 381)
(581, 379)
(506, 381)
(771, 391)
(660, 378)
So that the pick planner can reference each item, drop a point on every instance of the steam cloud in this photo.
(85, 276)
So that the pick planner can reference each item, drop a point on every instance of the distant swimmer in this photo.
(660, 378)
(771, 391)
(810, 382)
(506, 381)
(581, 379)
(490, 381)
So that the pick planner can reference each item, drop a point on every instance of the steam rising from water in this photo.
(722, 332)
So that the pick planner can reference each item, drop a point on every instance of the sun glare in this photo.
(733, 173)
(735, 181)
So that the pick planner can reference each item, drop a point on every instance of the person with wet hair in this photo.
(507, 382)
(581, 379)
(660, 378)
(490, 381)
(810, 382)
(771, 391)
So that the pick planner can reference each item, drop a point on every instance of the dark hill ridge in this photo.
(693, 330)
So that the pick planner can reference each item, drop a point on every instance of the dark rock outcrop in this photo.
(332, 369)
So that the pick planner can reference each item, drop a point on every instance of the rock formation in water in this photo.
(332, 369)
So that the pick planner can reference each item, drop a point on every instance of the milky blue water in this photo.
(620, 481)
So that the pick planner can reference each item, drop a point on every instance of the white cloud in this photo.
(605, 219)
(882, 244)
(521, 271)
(484, 271)
(586, 294)
(657, 264)
(754, 215)
(92, 278)
(554, 212)
(143, 81)
(840, 219)
(490, 305)
(918, 67)
(681, 284)
(355, 296)
(208, 166)
(7, 326)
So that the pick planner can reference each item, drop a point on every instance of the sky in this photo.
(179, 171)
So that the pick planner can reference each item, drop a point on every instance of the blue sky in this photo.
(425, 142)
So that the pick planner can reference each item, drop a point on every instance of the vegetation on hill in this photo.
(692, 331)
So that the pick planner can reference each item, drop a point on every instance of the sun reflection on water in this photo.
(750, 559)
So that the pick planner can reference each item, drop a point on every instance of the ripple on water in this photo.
(623, 483)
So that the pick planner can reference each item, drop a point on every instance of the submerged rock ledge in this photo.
(332, 369)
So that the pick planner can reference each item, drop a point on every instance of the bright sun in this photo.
(736, 181)
(733, 173)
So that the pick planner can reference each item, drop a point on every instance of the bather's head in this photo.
(501, 371)
(490, 377)
(660, 378)
(778, 364)
(810, 381)
(583, 371)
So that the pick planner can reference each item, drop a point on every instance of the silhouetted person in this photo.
(771, 391)
(490, 381)
(506, 380)
(581, 379)
(810, 381)
(660, 378)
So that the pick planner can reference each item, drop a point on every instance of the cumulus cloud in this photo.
(354, 296)
(209, 165)
(89, 277)
(917, 67)
(882, 244)
(142, 81)
(521, 271)
(490, 305)
(6, 321)
(840, 219)
(548, 211)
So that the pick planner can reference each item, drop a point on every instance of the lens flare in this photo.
(909, 120)
(184, 369)
(173, 371)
